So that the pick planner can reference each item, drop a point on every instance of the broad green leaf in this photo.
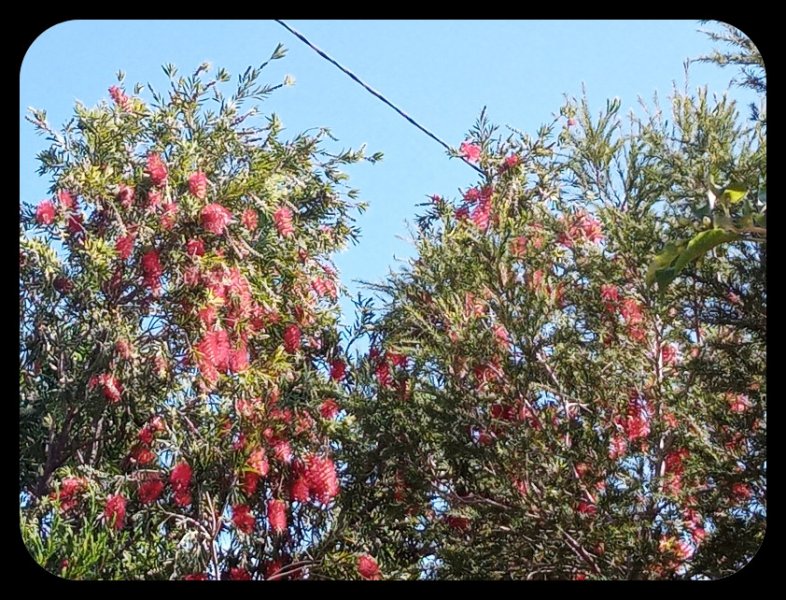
(734, 193)
(701, 244)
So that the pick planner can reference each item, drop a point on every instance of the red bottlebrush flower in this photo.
(119, 97)
(70, 488)
(258, 462)
(110, 387)
(590, 228)
(283, 220)
(610, 295)
(299, 490)
(637, 421)
(242, 518)
(250, 482)
(470, 151)
(282, 450)
(208, 316)
(272, 570)
(512, 160)
(462, 213)
(338, 369)
(196, 577)
(180, 477)
(145, 435)
(182, 498)
(250, 219)
(45, 213)
(156, 169)
(195, 247)
(213, 354)
(382, 372)
(368, 567)
(631, 311)
(741, 492)
(75, 226)
(153, 199)
(322, 479)
(170, 215)
(115, 511)
(150, 490)
(473, 194)
(63, 284)
(197, 185)
(586, 508)
(215, 218)
(277, 515)
(239, 574)
(738, 403)
(292, 338)
(142, 455)
(323, 286)
(397, 360)
(151, 269)
(329, 409)
(125, 195)
(238, 358)
(66, 200)
(125, 245)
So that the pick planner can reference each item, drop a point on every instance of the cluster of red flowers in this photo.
(180, 480)
(152, 270)
(283, 220)
(317, 478)
(197, 185)
(292, 338)
(125, 245)
(215, 218)
(68, 495)
(329, 409)
(674, 470)
(338, 369)
(368, 567)
(470, 151)
(156, 169)
(115, 511)
(125, 195)
(243, 518)
(119, 97)
(45, 213)
(250, 219)
(277, 515)
(109, 384)
(636, 424)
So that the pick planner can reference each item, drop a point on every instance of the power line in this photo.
(372, 91)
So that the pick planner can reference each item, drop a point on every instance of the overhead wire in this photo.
(374, 92)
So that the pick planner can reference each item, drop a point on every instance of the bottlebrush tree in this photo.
(178, 336)
(533, 406)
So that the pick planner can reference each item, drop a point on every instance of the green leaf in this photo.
(703, 243)
(663, 260)
(734, 193)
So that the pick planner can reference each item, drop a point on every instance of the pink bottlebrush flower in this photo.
(292, 338)
(250, 219)
(119, 97)
(470, 151)
(242, 518)
(215, 218)
(115, 511)
(66, 199)
(283, 220)
(329, 409)
(195, 247)
(277, 515)
(125, 245)
(197, 185)
(156, 169)
(151, 269)
(125, 195)
(45, 213)
(338, 369)
(368, 568)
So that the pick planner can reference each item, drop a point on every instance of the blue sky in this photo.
(440, 72)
